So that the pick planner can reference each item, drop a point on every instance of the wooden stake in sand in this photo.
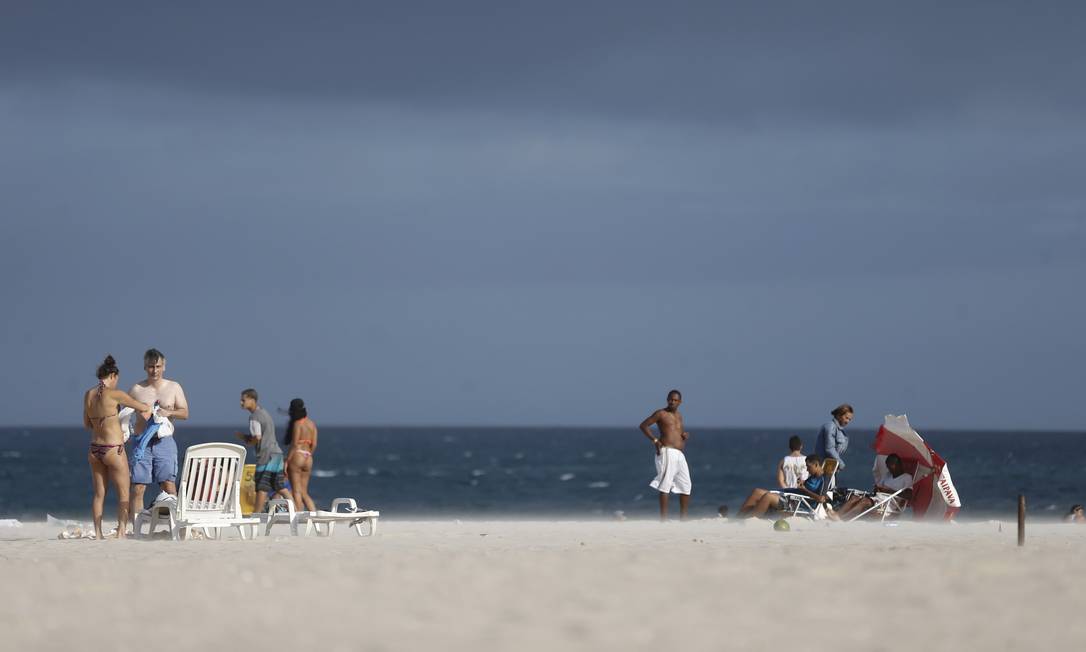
(1021, 520)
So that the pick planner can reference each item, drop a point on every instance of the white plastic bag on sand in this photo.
(75, 532)
(58, 522)
(72, 529)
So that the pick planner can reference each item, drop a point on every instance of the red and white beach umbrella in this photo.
(933, 490)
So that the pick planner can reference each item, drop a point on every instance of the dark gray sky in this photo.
(547, 213)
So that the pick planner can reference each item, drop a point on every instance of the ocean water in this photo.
(564, 472)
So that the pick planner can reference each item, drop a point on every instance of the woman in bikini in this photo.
(107, 456)
(302, 437)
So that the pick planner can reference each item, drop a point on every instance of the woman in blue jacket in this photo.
(832, 440)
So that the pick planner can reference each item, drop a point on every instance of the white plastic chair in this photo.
(162, 512)
(280, 510)
(210, 491)
(352, 516)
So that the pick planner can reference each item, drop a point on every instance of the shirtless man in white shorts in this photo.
(159, 463)
(672, 472)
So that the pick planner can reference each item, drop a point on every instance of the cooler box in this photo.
(248, 489)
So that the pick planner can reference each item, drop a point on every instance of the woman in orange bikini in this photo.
(107, 456)
(302, 438)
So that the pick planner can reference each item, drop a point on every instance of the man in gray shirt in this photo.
(270, 474)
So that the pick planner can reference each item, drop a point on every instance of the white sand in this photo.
(555, 586)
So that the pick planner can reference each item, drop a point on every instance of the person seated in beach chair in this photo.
(812, 489)
(1076, 515)
(791, 472)
(894, 481)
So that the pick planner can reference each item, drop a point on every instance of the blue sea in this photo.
(419, 472)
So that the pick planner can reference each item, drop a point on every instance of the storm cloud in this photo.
(550, 213)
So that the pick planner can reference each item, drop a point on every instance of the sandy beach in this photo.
(498, 585)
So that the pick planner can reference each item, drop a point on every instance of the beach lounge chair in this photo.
(209, 493)
(280, 510)
(162, 512)
(349, 514)
(802, 505)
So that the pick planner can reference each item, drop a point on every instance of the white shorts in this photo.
(672, 473)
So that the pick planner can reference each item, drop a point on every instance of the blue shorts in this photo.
(270, 477)
(159, 463)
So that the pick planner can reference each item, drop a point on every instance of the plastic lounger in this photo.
(208, 495)
(351, 515)
(280, 511)
(161, 513)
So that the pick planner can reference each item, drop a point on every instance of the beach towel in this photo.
(125, 416)
(157, 426)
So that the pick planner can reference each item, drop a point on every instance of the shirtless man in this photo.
(672, 473)
(159, 463)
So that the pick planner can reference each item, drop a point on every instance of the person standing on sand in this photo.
(159, 465)
(107, 457)
(270, 473)
(302, 437)
(832, 440)
(672, 472)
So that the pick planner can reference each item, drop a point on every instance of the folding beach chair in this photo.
(803, 505)
(886, 505)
